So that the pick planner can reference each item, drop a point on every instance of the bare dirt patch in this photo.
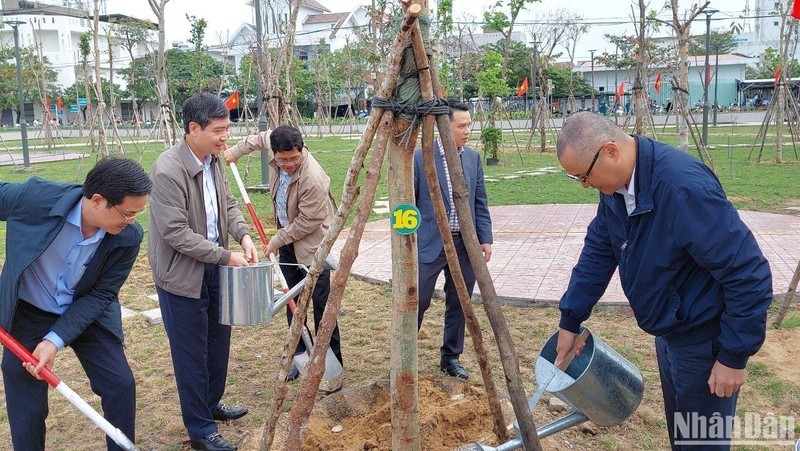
(365, 321)
(779, 353)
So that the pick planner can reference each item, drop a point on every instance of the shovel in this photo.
(333, 367)
(115, 434)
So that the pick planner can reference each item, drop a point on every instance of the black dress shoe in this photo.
(453, 368)
(294, 373)
(213, 442)
(223, 412)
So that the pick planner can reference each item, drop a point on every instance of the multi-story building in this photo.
(57, 31)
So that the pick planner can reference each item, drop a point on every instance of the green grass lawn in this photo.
(764, 186)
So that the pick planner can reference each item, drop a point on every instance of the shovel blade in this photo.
(332, 366)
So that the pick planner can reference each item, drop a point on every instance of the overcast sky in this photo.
(224, 17)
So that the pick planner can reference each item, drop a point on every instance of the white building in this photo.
(58, 30)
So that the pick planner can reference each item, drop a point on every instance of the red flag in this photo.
(523, 89)
(777, 76)
(796, 9)
(657, 86)
(232, 102)
(47, 103)
(620, 91)
(708, 75)
(60, 103)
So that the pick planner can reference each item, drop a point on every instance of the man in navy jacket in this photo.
(432, 260)
(69, 249)
(691, 269)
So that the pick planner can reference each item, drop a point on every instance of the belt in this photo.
(455, 234)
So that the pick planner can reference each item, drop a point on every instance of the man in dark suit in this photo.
(69, 250)
(432, 259)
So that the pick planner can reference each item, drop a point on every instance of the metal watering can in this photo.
(247, 295)
(599, 385)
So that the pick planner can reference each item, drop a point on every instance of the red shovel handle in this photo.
(14, 346)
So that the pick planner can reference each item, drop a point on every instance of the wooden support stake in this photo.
(787, 301)
(491, 305)
(316, 367)
(428, 125)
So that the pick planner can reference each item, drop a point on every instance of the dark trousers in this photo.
(200, 347)
(688, 401)
(294, 275)
(102, 357)
(453, 339)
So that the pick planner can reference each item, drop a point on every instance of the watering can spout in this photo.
(574, 418)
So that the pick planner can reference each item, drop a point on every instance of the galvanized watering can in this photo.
(599, 385)
(247, 295)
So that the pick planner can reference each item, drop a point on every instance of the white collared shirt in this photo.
(629, 194)
(209, 197)
(452, 218)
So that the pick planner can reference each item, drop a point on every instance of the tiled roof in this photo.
(325, 18)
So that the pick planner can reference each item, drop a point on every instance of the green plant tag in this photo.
(405, 219)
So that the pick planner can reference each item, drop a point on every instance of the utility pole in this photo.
(23, 126)
(592, 52)
(616, 70)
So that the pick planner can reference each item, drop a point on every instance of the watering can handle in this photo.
(579, 340)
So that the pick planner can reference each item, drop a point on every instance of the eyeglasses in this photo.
(582, 180)
(291, 162)
(129, 218)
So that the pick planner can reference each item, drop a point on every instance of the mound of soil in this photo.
(451, 413)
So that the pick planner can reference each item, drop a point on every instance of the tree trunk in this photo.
(680, 92)
(166, 117)
(304, 400)
(432, 178)
(639, 84)
(88, 110)
(405, 274)
(137, 128)
(47, 126)
(680, 84)
(98, 84)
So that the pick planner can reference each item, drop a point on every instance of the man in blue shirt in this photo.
(690, 268)
(69, 250)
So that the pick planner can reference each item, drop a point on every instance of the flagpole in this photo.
(616, 71)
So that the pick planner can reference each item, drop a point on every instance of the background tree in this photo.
(566, 84)
(143, 81)
(575, 28)
(353, 74)
(131, 34)
(497, 19)
(723, 40)
(85, 49)
(100, 112)
(190, 72)
(548, 31)
(680, 82)
(493, 85)
(166, 117)
(519, 64)
(771, 61)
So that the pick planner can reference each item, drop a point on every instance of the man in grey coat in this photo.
(193, 212)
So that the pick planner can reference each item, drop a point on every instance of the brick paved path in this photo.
(536, 246)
